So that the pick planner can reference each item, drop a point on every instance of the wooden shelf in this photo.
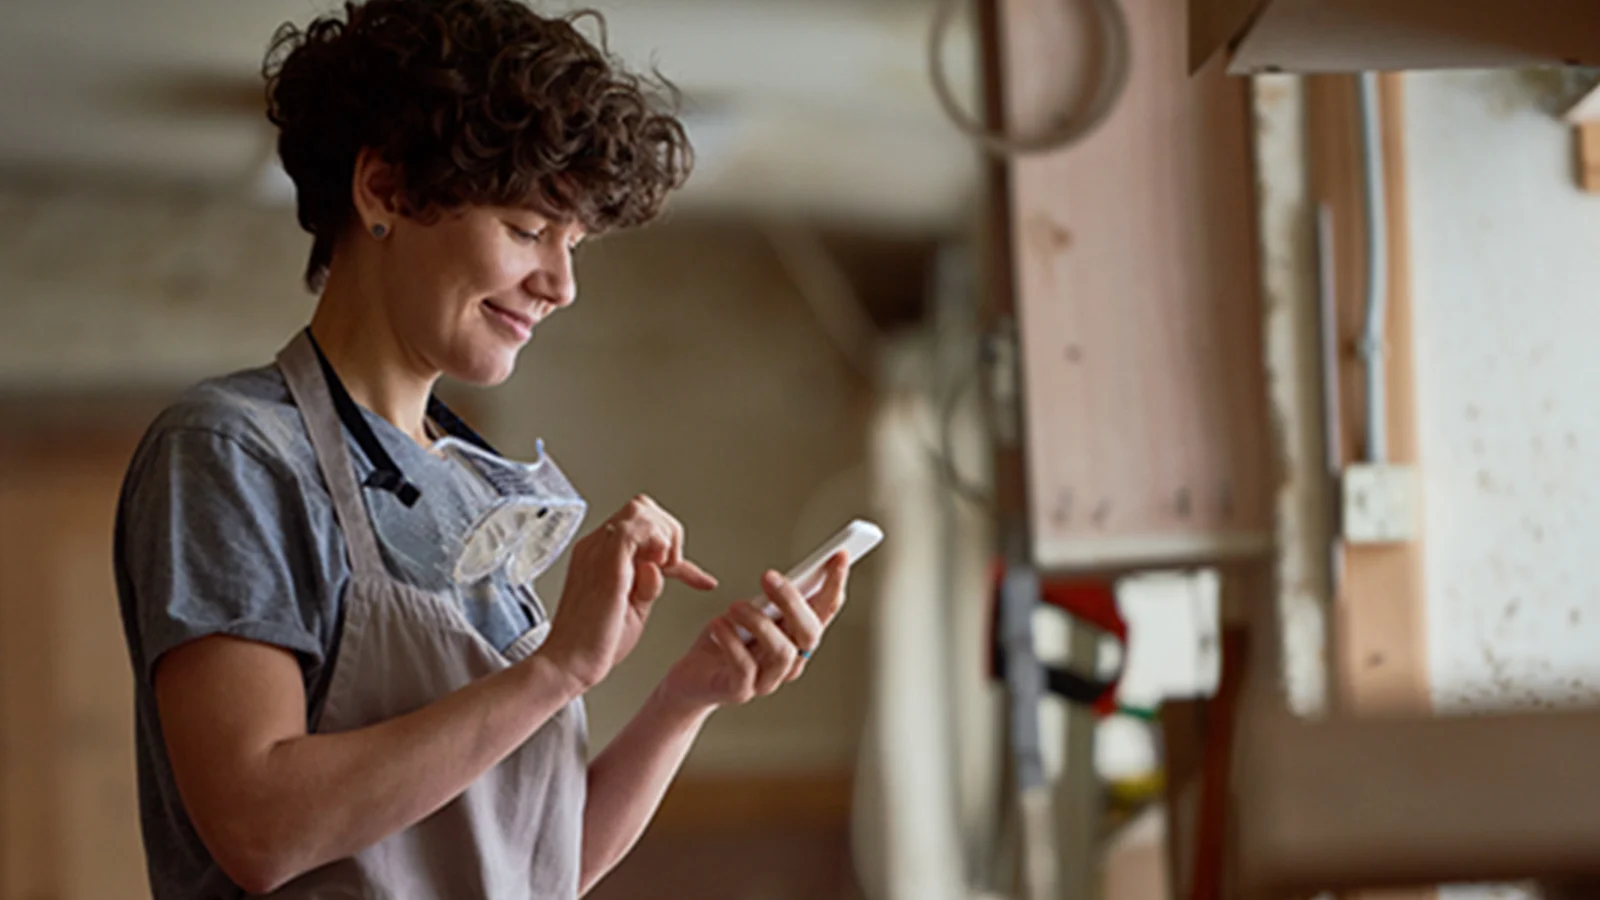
(1346, 804)
(1385, 35)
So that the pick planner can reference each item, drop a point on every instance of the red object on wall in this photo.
(1093, 602)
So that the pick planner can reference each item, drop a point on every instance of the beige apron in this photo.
(516, 831)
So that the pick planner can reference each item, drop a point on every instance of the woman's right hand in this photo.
(615, 576)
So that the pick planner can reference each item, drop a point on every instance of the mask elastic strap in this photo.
(453, 425)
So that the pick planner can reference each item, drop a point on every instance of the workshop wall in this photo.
(1507, 262)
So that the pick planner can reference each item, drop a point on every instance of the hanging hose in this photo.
(1113, 79)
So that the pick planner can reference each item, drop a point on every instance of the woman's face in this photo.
(466, 291)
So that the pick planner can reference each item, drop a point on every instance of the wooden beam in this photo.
(1584, 116)
(1588, 140)
(1390, 35)
(1379, 627)
(1215, 25)
(1354, 803)
(1379, 636)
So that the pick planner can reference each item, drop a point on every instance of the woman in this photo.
(326, 707)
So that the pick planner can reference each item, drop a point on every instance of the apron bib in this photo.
(516, 831)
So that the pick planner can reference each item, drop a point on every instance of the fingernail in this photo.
(772, 577)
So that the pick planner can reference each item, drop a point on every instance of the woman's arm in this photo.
(272, 802)
(628, 780)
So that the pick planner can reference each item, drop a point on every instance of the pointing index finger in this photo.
(687, 572)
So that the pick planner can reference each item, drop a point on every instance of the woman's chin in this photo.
(485, 368)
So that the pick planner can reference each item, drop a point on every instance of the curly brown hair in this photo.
(476, 102)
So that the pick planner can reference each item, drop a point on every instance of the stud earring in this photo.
(379, 230)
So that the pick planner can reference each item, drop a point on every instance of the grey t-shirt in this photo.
(225, 527)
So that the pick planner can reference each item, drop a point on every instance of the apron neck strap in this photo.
(386, 473)
(311, 390)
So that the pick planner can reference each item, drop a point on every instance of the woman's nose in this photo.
(554, 281)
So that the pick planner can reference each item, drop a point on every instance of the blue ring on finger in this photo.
(805, 654)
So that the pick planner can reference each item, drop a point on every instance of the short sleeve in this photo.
(214, 538)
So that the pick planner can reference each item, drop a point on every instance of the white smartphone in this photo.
(856, 539)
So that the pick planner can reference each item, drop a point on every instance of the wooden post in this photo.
(1379, 657)
(1379, 629)
(1589, 156)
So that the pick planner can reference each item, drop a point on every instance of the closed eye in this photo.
(529, 237)
(524, 235)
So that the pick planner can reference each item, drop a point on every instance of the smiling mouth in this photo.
(520, 324)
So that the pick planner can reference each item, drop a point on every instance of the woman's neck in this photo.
(362, 346)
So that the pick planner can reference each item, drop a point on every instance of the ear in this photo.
(374, 191)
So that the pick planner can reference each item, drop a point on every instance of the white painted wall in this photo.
(1506, 251)
(1507, 276)
(1290, 336)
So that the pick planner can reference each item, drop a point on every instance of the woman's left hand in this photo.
(720, 669)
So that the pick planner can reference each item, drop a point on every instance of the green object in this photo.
(1142, 713)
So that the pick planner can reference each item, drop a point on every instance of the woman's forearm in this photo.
(359, 787)
(628, 780)
(274, 810)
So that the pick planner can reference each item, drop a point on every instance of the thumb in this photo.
(647, 584)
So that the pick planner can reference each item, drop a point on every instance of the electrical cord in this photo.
(1068, 130)
(944, 456)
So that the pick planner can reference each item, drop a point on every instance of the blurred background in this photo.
(1123, 373)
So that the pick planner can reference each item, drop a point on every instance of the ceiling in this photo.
(820, 107)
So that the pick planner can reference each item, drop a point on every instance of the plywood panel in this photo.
(1136, 283)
